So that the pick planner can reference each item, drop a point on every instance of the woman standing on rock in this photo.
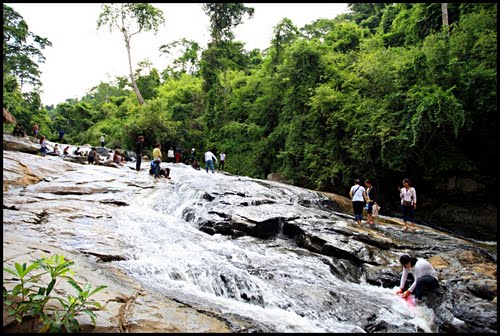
(408, 197)
(43, 146)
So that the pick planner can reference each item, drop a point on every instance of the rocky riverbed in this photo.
(54, 206)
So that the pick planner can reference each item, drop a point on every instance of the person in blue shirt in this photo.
(163, 171)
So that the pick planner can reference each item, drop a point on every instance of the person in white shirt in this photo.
(358, 196)
(208, 160)
(408, 197)
(170, 155)
(425, 277)
(222, 160)
(103, 138)
(110, 156)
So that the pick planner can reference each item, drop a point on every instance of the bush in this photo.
(30, 297)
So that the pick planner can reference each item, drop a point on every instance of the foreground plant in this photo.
(29, 298)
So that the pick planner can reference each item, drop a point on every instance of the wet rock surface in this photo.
(51, 205)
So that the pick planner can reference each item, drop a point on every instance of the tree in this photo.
(444, 9)
(130, 19)
(21, 49)
(224, 17)
(21, 55)
(283, 35)
(188, 61)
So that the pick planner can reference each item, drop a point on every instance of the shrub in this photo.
(34, 289)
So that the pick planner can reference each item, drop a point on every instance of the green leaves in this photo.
(30, 296)
(224, 17)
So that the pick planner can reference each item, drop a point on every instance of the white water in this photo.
(273, 282)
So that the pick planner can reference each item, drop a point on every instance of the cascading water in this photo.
(274, 283)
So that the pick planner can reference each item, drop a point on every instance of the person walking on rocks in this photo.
(408, 197)
(209, 162)
(358, 196)
(103, 138)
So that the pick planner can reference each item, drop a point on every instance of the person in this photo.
(35, 131)
(163, 171)
(170, 155)
(43, 146)
(408, 197)
(16, 131)
(56, 149)
(110, 156)
(157, 159)
(61, 135)
(196, 165)
(208, 160)
(424, 275)
(19, 131)
(193, 155)
(358, 196)
(65, 151)
(91, 158)
(103, 138)
(370, 202)
(138, 152)
(222, 160)
(178, 154)
(77, 151)
(116, 157)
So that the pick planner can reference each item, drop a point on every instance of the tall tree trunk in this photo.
(132, 78)
(444, 10)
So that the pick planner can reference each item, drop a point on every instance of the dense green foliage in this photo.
(382, 92)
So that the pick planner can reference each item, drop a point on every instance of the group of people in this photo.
(19, 131)
(175, 157)
(367, 195)
(359, 196)
(425, 277)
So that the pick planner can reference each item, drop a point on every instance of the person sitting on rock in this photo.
(196, 165)
(16, 131)
(163, 171)
(117, 158)
(65, 151)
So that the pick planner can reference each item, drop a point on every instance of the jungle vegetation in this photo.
(385, 91)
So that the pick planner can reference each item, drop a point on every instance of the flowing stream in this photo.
(271, 282)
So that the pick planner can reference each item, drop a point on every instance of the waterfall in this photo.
(272, 282)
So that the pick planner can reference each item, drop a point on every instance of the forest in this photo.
(383, 92)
